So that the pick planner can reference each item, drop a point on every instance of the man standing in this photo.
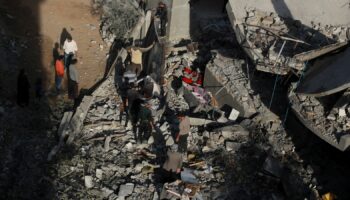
(162, 13)
(133, 103)
(184, 130)
(123, 92)
(73, 88)
(59, 68)
(146, 122)
(135, 56)
(70, 49)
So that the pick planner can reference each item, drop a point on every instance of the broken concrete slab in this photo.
(126, 189)
(89, 182)
(319, 79)
(310, 12)
(200, 121)
(256, 19)
(232, 146)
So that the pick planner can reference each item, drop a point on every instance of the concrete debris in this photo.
(126, 190)
(266, 32)
(118, 17)
(327, 122)
(235, 146)
(89, 182)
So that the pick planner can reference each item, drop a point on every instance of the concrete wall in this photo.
(154, 59)
(335, 12)
(179, 21)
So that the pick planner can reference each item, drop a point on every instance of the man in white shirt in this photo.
(70, 49)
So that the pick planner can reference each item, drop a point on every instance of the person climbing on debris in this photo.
(146, 123)
(23, 87)
(172, 166)
(123, 92)
(133, 104)
(162, 13)
(134, 59)
(182, 135)
(70, 50)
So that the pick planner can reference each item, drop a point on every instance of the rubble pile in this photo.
(266, 33)
(118, 17)
(332, 123)
(229, 72)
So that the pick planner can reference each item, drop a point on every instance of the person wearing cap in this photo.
(135, 56)
(146, 122)
(162, 13)
(182, 135)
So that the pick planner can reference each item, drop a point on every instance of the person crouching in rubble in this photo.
(146, 122)
(134, 58)
(182, 135)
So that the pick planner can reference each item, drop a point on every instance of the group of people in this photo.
(67, 63)
(136, 90)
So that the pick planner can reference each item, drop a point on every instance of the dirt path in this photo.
(40, 22)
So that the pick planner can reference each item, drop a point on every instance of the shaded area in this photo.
(26, 133)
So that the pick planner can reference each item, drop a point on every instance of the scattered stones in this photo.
(89, 182)
(126, 190)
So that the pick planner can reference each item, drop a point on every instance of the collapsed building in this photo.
(248, 156)
(307, 40)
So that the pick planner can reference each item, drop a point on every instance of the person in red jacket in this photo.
(59, 68)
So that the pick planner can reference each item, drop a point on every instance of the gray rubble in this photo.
(266, 32)
(331, 122)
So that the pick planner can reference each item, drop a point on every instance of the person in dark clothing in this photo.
(162, 13)
(123, 91)
(23, 87)
(73, 80)
(146, 123)
(142, 5)
(134, 104)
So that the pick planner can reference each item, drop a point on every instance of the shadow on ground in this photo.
(26, 133)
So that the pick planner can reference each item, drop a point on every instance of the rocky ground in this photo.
(254, 157)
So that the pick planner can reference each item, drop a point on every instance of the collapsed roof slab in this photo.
(331, 12)
(327, 76)
(317, 27)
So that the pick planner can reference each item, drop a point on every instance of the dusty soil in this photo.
(39, 23)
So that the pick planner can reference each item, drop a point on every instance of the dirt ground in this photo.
(39, 23)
